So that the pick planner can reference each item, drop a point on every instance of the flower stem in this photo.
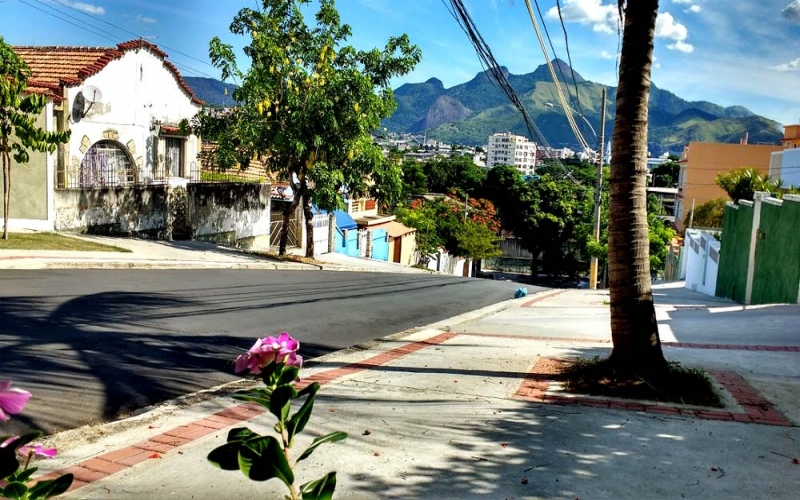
(285, 439)
(28, 460)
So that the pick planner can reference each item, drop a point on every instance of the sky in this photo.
(731, 52)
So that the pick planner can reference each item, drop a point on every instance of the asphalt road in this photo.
(94, 345)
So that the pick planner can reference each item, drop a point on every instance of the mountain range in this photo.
(470, 112)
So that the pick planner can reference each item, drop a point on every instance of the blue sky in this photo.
(744, 52)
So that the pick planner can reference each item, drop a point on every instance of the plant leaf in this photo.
(328, 438)
(281, 401)
(261, 458)
(321, 489)
(15, 490)
(53, 488)
(288, 375)
(240, 434)
(299, 420)
(8, 462)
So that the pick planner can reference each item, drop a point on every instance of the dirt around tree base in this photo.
(600, 377)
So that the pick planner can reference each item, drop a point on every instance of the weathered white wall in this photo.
(444, 263)
(229, 213)
(136, 90)
(702, 261)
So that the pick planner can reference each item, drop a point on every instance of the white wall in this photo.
(444, 263)
(790, 167)
(701, 252)
(136, 89)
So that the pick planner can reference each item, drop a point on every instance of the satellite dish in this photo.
(88, 94)
(92, 94)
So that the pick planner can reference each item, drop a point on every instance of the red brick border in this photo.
(543, 296)
(757, 409)
(107, 464)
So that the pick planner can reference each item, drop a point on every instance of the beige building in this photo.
(701, 162)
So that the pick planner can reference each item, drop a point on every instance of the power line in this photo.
(569, 56)
(68, 21)
(495, 75)
(125, 30)
(49, 6)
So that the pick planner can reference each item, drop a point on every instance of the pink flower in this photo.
(37, 450)
(8, 441)
(280, 349)
(12, 401)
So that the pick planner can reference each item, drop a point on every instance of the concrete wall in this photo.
(32, 184)
(137, 89)
(702, 253)
(761, 251)
(234, 214)
(444, 263)
(408, 247)
(141, 211)
(789, 169)
(735, 252)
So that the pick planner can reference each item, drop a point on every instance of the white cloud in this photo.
(145, 19)
(607, 55)
(87, 8)
(667, 27)
(792, 12)
(789, 66)
(603, 18)
(694, 9)
(683, 1)
(681, 46)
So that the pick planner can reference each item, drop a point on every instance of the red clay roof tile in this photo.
(56, 66)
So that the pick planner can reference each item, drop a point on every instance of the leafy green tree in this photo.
(666, 174)
(708, 214)
(456, 172)
(659, 235)
(19, 111)
(423, 219)
(475, 241)
(742, 184)
(415, 182)
(308, 101)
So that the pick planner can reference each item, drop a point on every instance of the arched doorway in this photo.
(107, 164)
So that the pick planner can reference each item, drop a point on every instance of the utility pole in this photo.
(691, 215)
(598, 193)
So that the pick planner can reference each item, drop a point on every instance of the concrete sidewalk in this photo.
(466, 411)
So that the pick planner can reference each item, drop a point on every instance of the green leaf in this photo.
(298, 422)
(262, 458)
(25, 475)
(15, 490)
(320, 489)
(259, 396)
(328, 438)
(8, 462)
(52, 488)
(281, 401)
(288, 375)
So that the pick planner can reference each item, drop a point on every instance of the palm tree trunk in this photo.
(634, 330)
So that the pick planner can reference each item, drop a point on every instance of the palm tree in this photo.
(634, 330)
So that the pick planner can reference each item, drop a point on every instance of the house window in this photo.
(174, 156)
(106, 164)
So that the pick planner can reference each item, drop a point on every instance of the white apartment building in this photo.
(509, 149)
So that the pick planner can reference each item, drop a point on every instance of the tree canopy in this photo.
(308, 103)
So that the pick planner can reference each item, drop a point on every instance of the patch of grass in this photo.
(233, 177)
(600, 377)
(53, 241)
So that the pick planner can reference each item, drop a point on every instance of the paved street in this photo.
(92, 345)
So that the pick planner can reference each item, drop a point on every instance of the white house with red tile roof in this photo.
(123, 105)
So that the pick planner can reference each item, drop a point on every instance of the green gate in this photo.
(735, 252)
(777, 264)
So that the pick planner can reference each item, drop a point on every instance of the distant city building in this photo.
(510, 149)
(785, 165)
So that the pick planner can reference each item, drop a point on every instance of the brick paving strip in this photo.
(532, 388)
(102, 466)
(757, 410)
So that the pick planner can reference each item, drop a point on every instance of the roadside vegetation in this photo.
(53, 241)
